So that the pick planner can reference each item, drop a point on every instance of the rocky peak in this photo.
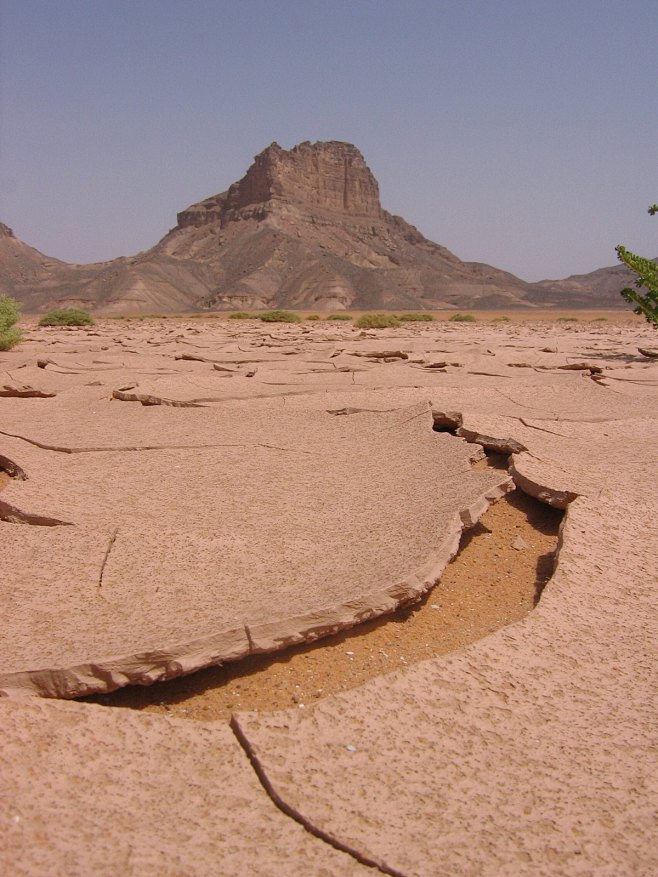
(5, 231)
(326, 177)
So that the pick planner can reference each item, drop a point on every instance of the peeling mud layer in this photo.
(182, 493)
(495, 579)
(295, 526)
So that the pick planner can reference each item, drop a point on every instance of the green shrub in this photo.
(377, 321)
(601, 320)
(239, 315)
(313, 317)
(9, 314)
(416, 318)
(10, 338)
(66, 317)
(279, 317)
(502, 319)
(646, 303)
(340, 317)
(462, 318)
(567, 320)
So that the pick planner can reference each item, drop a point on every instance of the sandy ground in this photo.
(503, 725)
(488, 585)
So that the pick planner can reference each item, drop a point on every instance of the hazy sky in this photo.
(522, 133)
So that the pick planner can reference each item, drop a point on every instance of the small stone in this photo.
(519, 544)
(351, 747)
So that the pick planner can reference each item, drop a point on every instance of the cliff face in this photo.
(303, 228)
(313, 177)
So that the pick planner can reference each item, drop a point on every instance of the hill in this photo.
(304, 228)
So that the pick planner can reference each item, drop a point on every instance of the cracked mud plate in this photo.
(281, 529)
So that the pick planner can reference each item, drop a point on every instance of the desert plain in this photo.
(240, 635)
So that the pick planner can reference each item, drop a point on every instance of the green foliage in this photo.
(340, 317)
(279, 317)
(567, 320)
(313, 317)
(10, 338)
(503, 319)
(9, 314)
(646, 304)
(416, 318)
(239, 315)
(462, 318)
(377, 321)
(66, 317)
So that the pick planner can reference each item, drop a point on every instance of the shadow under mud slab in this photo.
(496, 578)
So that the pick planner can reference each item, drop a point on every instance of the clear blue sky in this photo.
(522, 133)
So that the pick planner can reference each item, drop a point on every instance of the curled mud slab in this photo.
(297, 527)
(494, 580)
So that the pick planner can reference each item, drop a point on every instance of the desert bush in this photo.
(567, 320)
(313, 317)
(646, 303)
(503, 319)
(279, 317)
(416, 318)
(9, 314)
(377, 321)
(66, 317)
(340, 317)
(462, 318)
(239, 315)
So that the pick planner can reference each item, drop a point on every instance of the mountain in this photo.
(599, 288)
(304, 228)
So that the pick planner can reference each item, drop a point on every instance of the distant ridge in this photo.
(304, 228)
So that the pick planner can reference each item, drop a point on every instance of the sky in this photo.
(521, 133)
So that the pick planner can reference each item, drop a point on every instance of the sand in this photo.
(263, 497)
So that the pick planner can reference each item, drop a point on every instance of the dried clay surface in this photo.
(108, 792)
(268, 485)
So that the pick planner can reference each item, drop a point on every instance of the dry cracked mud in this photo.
(214, 492)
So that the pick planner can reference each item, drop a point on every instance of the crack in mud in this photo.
(139, 448)
(298, 817)
(113, 539)
(541, 429)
